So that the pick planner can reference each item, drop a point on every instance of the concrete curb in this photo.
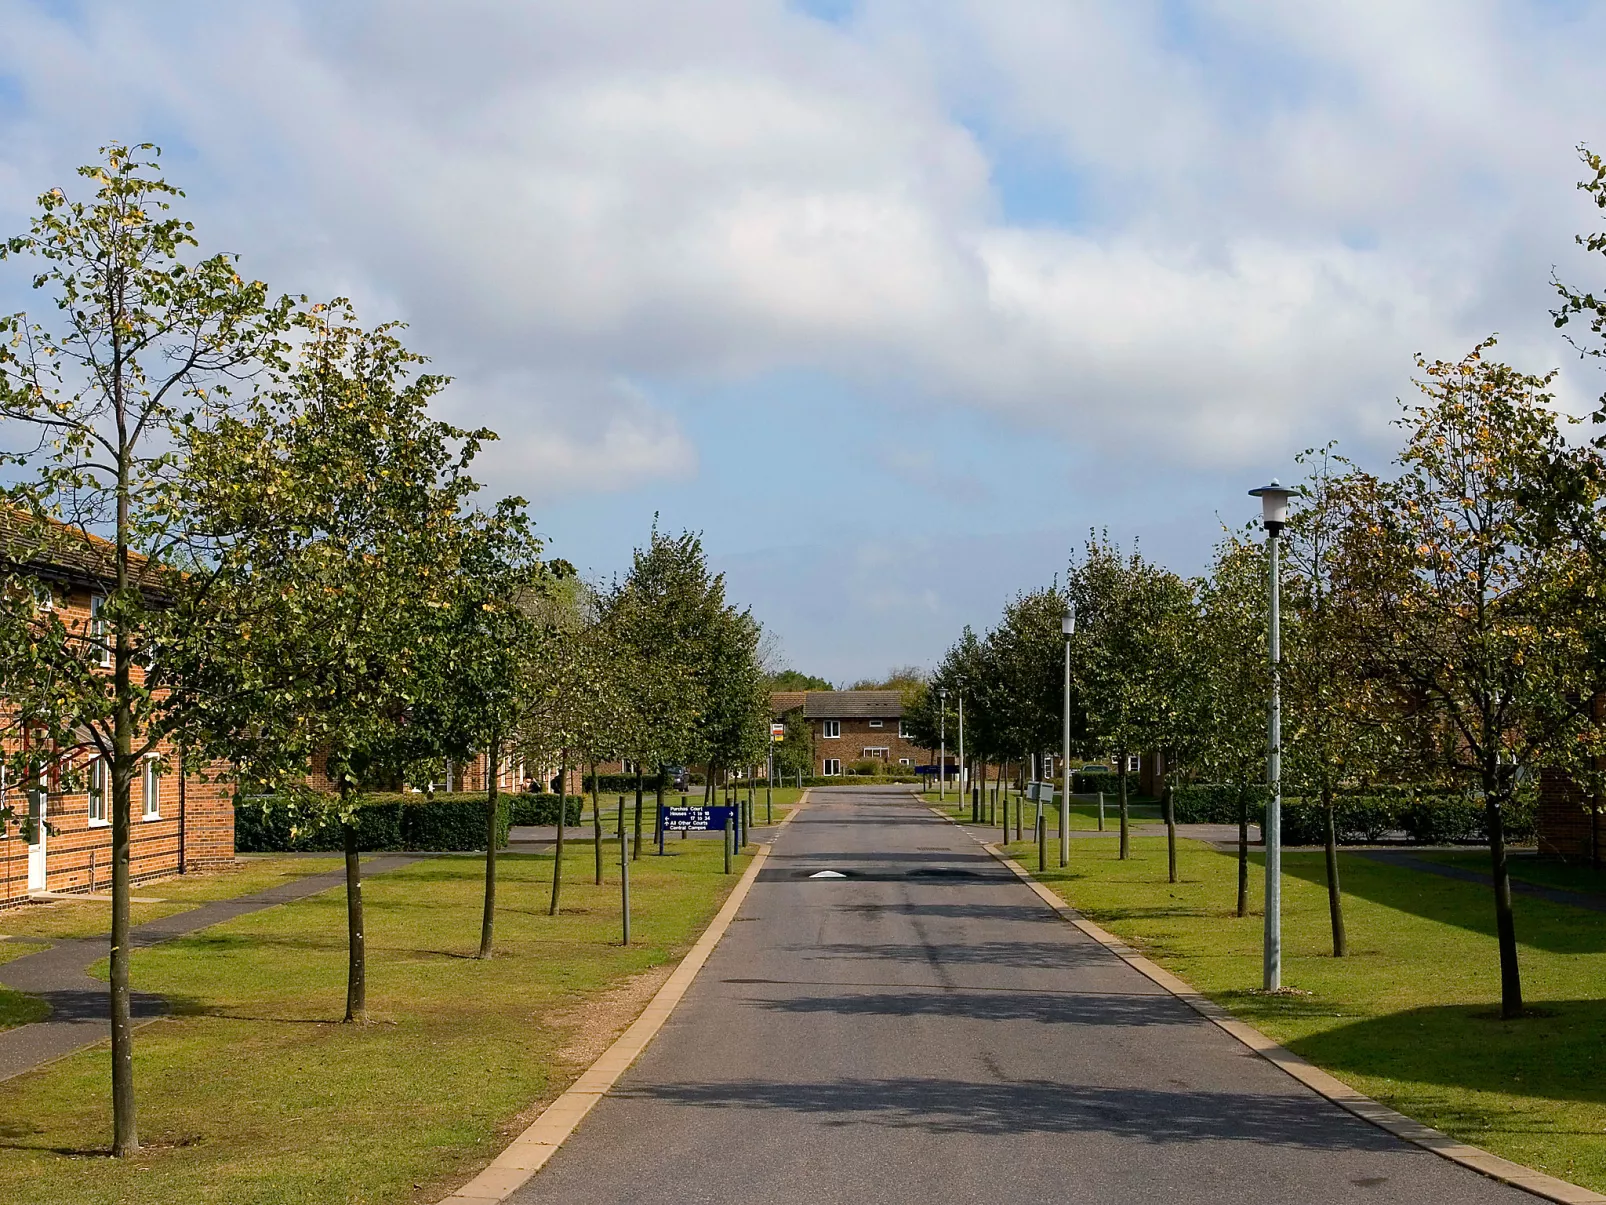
(1307, 1073)
(528, 1153)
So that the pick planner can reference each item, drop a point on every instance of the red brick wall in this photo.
(78, 853)
(857, 735)
(1564, 823)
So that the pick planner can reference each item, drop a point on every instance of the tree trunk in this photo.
(1126, 840)
(1505, 924)
(125, 1140)
(1243, 850)
(356, 955)
(1335, 897)
(488, 920)
(596, 820)
(636, 852)
(563, 824)
(1168, 791)
(658, 812)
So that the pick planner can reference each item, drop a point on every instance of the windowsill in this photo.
(152, 816)
(93, 823)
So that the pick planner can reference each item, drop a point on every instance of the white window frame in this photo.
(150, 780)
(44, 595)
(875, 723)
(95, 792)
(876, 753)
(832, 767)
(97, 630)
(903, 731)
(831, 730)
(906, 761)
(1134, 763)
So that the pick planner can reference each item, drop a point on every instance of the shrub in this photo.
(616, 784)
(865, 768)
(532, 808)
(1110, 784)
(453, 823)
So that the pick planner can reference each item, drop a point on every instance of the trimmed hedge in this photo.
(1359, 819)
(616, 784)
(450, 823)
(1110, 784)
(532, 808)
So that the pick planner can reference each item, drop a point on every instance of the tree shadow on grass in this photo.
(1555, 1054)
(1554, 928)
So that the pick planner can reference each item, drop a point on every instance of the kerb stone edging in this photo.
(528, 1153)
(1306, 1072)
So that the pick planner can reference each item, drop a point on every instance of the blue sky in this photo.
(893, 301)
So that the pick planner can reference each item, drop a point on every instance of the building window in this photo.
(97, 630)
(44, 598)
(831, 729)
(151, 780)
(905, 761)
(875, 723)
(98, 781)
(1134, 763)
(905, 733)
(833, 766)
(877, 752)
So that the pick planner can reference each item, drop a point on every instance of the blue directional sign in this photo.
(698, 819)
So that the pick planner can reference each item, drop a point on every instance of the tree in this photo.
(478, 692)
(1336, 722)
(792, 680)
(352, 503)
(147, 344)
(1467, 616)
(1129, 619)
(1235, 680)
(794, 754)
(659, 617)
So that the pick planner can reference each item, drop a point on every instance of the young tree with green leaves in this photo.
(1235, 680)
(1470, 618)
(147, 342)
(353, 508)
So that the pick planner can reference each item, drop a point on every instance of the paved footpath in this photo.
(926, 1031)
(80, 1013)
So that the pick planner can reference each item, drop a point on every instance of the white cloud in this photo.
(1278, 203)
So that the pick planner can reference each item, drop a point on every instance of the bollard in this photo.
(624, 875)
(1042, 841)
(1101, 811)
(729, 825)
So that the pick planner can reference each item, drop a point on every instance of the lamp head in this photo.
(1273, 505)
(1068, 623)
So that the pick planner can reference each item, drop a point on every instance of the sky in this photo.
(893, 301)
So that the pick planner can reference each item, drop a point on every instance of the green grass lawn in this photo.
(1411, 1016)
(254, 1093)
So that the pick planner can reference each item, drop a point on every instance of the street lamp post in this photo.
(1273, 516)
(961, 755)
(942, 746)
(1068, 626)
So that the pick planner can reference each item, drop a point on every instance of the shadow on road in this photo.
(964, 1107)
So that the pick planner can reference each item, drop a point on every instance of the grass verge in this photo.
(1410, 1017)
(76, 918)
(1084, 813)
(255, 1094)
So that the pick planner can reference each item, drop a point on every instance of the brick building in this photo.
(853, 726)
(59, 836)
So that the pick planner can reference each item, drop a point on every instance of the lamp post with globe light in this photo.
(1068, 626)
(1274, 517)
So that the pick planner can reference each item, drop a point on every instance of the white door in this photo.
(34, 831)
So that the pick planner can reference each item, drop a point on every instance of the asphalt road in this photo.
(925, 1031)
